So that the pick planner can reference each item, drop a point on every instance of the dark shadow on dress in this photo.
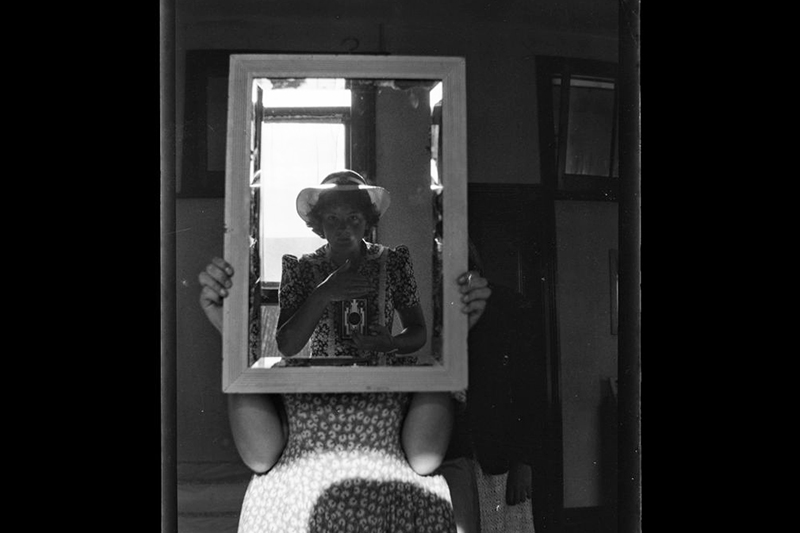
(369, 506)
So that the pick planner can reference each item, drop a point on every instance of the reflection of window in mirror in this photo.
(589, 147)
(302, 137)
(579, 103)
(304, 128)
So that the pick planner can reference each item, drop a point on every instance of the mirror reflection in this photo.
(367, 242)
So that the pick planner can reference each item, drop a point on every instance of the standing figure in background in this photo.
(351, 461)
(496, 431)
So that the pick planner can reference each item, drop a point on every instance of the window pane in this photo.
(305, 92)
(591, 115)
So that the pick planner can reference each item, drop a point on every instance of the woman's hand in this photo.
(215, 281)
(345, 283)
(519, 483)
(475, 293)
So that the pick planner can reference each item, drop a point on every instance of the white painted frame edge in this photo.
(237, 377)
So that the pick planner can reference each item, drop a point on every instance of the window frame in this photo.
(553, 148)
(293, 115)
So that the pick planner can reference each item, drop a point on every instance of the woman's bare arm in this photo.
(257, 420)
(294, 329)
(426, 430)
(429, 421)
(414, 334)
(258, 428)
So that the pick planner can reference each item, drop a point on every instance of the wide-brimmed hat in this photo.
(342, 180)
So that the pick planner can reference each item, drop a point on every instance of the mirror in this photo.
(400, 122)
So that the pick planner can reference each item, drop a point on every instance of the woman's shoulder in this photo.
(290, 264)
(401, 249)
(399, 257)
(312, 257)
(399, 252)
(303, 266)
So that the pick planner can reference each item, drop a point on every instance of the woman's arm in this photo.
(429, 421)
(414, 334)
(259, 429)
(426, 430)
(257, 420)
(295, 328)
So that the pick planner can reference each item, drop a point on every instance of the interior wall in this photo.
(203, 431)
(585, 232)
(402, 146)
(500, 45)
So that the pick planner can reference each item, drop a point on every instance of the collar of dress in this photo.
(373, 252)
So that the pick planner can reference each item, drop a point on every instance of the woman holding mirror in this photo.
(326, 462)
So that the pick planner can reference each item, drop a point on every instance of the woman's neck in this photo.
(339, 256)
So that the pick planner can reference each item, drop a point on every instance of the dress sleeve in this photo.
(292, 291)
(401, 275)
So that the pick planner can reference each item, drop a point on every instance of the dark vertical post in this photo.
(169, 521)
(629, 439)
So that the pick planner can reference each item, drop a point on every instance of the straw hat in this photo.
(342, 180)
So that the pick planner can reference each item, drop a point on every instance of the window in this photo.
(302, 137)
(578, 126)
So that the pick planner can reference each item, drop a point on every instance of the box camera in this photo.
(354, 317)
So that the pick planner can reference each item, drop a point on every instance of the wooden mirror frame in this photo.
(451, 375)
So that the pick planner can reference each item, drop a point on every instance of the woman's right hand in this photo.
(345, 283)
(215, 281)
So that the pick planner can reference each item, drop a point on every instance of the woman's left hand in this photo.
(519, 483)
(475, 293)
(379, 340)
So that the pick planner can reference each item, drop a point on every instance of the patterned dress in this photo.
(391, 274)
(343, 468)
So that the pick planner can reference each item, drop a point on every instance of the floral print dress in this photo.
(343, 468)
(391, 274)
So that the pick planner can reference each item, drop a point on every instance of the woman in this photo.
(343, 462)
(344, 296)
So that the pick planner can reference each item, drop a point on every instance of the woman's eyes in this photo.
(351, 218)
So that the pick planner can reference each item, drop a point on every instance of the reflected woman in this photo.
(348, 461)
(344, 296)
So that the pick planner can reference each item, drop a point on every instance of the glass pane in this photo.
(591, 115)
(295, 150)
(294, 156)
(305, 92)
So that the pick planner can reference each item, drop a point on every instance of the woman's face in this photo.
(344, 226)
